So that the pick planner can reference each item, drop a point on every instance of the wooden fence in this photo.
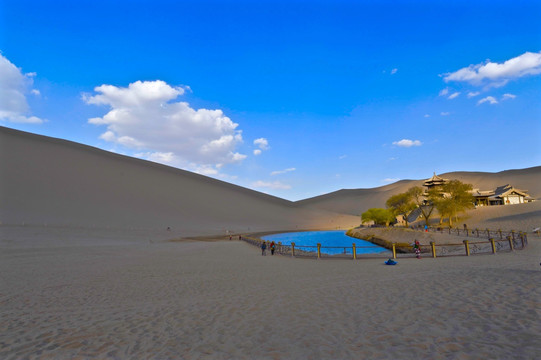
(478, 233)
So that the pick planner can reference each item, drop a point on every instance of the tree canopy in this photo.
(378, 216)
(420, 200)
(450, 199)
(456, 198)
(401, 204)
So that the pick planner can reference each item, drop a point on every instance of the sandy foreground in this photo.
(68, 294)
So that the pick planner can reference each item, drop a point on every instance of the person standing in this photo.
(264, 248)
(417, 249)
(272, 247)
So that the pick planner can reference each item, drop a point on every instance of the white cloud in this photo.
(489, 99)
(393, 71)
(473, 94)
(508, 96)
(341, 157)
(407, 143)
(454, 95)
(445, 113)
(14, 86)
(444, 92)
(257, 152)
(427, 115)
(271, 185)
(498, 74)
(164, 158)
(206, 170)
(262, 143)
(278, 172)
(390, 180)
(146, 116)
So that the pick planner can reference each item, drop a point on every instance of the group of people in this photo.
(272, 247)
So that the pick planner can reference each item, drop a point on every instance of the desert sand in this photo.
(114, 296)
(88, 269)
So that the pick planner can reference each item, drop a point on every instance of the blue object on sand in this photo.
(390, 262)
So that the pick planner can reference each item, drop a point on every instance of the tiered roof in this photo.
(435, 180)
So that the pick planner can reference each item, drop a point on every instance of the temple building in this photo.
(434, 182)
(502, 195)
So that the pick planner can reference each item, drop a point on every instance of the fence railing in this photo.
(466, 248)
(478, 233)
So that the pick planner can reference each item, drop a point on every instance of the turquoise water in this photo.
(337, 239)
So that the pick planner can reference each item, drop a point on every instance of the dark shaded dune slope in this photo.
(61, 183)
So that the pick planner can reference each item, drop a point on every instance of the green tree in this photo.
(401, 204)
(456, 198)
(378, 215)
(423, 201)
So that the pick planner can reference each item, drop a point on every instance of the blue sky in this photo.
(292, 98)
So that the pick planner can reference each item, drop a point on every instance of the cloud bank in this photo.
(14, 86)
(498, 74)
(145, 116)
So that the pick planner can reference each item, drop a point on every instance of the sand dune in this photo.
(356, 201)
(51, 182)
(85, 272)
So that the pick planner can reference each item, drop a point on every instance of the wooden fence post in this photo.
(293, 249)
(493, 245)
(354, 252)
(394, 250)
(433, 244)
(467, 246)
(319, 250)
(510, 243)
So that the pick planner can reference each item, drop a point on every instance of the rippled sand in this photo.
(72, 297)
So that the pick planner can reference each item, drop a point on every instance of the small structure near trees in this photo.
(502, 195)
